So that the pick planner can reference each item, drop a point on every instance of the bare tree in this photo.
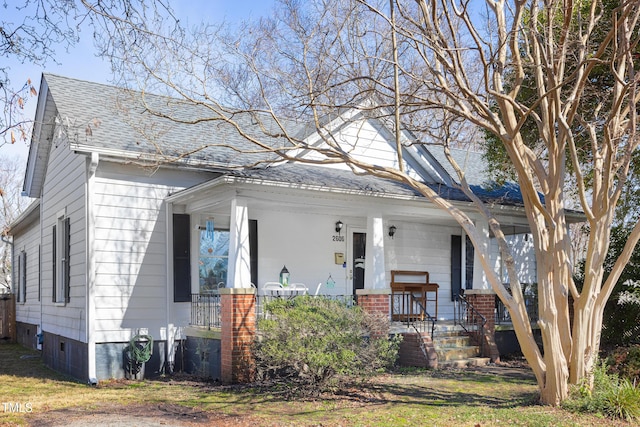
(11, 205)
(34, 32)
(440, 65)
(30, 33)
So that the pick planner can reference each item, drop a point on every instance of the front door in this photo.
(358, 246)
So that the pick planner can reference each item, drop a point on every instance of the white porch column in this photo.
(479, 276)
(239, 268)
(374, 277)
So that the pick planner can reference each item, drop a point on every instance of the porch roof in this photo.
(321, 178)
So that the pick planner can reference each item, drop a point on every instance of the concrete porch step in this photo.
(451, 341)
(454, 353)
(464, 363)
(448, 329)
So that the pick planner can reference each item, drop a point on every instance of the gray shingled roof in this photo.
(297, 173)
(471, 162)
(126, 126)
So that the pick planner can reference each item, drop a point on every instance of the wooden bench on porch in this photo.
(409, 288)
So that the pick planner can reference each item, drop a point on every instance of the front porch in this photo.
(465, 340)
(205, 311)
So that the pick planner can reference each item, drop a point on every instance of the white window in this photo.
(214, 259)
(61, 234)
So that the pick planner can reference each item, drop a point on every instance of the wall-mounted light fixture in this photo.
(392, 231)
(339, 226)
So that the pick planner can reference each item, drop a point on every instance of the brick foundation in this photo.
(237, 334)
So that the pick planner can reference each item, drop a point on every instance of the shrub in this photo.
(317, 341)
(625, 361)
(610, 396)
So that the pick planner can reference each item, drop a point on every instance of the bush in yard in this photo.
(611, 396)
(310, 341)
(625, 361)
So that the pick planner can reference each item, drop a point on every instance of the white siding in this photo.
(282, 234)
(28, 241)
(131, 249)
(64, 190)
(363, 141)
(424, 247)
(524, 256)
(304, 243)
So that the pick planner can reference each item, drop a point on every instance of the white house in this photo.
(112, 248)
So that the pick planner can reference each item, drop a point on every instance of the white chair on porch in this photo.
(298, 288)
(271, 288)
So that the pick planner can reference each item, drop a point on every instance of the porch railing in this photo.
(503, 316)
(205, 310)
(409, 310)
(466, 315)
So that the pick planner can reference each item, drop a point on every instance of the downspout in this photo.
(91, 269)
(40, 331)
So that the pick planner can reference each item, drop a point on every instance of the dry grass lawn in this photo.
(496, 396)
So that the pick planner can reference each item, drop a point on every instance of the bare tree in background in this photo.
(11, 205)
(436, 66)
(31, 32)
(35, 32)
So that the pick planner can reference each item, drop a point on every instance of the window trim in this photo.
(21, 296)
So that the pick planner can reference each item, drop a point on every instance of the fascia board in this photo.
(36, 163)
(27, 217)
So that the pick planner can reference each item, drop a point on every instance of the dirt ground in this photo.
(161, 415)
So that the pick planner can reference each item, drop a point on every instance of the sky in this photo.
(81, 62)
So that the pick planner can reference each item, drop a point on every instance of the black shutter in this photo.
(456, 266)
(181, 258)
(67, 263)
(39, 272)
(24, 276)
(253, 250)
(18, 279)
(53, 263)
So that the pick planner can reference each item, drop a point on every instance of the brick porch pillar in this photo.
(484, 301)
(378, 303)
(238, 329)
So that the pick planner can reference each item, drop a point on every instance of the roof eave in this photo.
(39, 146)
(29, 216)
